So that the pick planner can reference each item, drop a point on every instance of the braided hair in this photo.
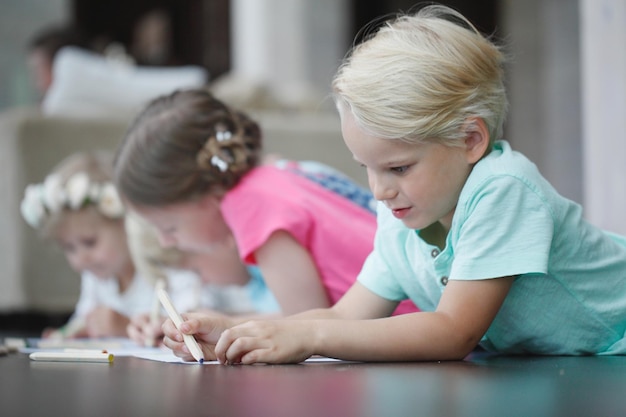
(185, 145)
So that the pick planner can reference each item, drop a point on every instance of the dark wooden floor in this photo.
(483, 385)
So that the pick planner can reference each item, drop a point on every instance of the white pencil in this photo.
(88, 356)
(190, 341)
(156, 310)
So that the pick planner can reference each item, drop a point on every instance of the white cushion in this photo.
(89, 85)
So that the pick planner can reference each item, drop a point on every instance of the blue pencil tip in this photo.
(201, 361)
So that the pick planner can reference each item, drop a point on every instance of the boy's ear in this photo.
(476, 139)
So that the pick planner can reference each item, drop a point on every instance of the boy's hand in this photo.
(266, 341)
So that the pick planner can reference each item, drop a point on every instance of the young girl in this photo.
(467, 228)
(189, 165)
(77, 206)
(227, 286)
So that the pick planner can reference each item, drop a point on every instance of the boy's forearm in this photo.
(315, 314)
(411, 337)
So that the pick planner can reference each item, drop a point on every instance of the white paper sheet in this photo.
(166, 355)
(121, 347)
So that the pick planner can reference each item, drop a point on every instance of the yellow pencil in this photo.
(72, 356)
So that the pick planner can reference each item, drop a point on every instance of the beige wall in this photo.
(544, 88)
(567, 85)
(603, 40)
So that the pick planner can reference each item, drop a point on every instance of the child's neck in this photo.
(435, 235)
(125, 277)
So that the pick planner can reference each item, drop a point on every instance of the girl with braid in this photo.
(190, 166)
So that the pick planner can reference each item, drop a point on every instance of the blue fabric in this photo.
(262, 298)
(332, 180)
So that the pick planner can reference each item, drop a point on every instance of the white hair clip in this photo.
(223, 135)
(218, 162)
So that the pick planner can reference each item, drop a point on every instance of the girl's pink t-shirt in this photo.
(338, 234)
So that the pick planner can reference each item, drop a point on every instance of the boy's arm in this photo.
(358, 303)
(207, 328)
(464, 314)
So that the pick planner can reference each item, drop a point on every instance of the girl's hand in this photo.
(267, 341)
(205, 327)
(51, 333)
(106, 322)
(143, 331)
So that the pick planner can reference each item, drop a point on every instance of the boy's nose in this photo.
(380, 188)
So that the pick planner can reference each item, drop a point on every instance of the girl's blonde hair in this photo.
(421, 76)
(150, 258)
(184, 145)
(80, 182)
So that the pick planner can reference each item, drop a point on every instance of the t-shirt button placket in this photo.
(434, 253)
(444, 281)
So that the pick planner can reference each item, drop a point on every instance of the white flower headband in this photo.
(52, 196)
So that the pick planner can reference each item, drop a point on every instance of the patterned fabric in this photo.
(332, 180)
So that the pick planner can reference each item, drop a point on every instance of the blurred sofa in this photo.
(34, 275)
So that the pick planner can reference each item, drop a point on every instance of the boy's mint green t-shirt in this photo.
(569, 296)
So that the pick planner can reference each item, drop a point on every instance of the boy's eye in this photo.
(400, 170)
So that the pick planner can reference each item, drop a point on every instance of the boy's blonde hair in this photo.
(420, 77)
(80, 182)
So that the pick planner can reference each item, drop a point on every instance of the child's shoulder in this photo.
(272, 179)
(503, 158)
(507, 166)
(504, 177)
(266, 173)
(262, 183)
